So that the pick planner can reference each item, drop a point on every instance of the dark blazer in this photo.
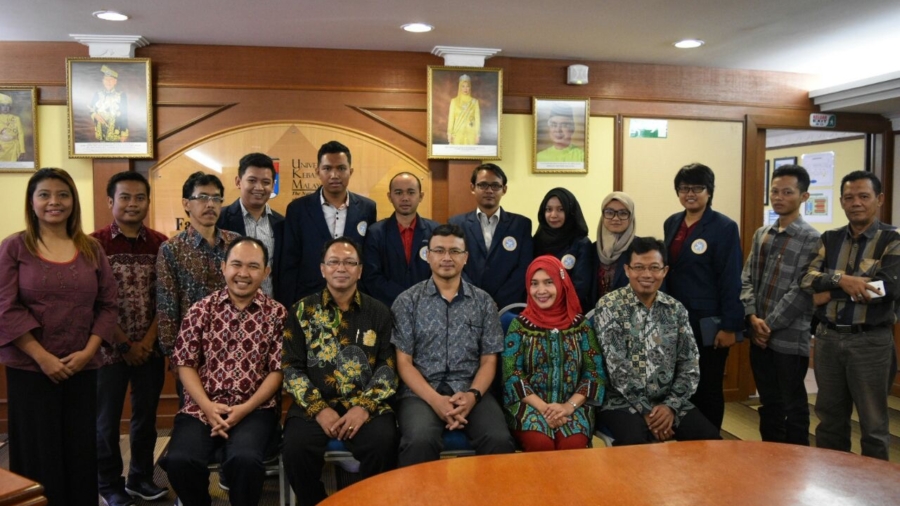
(582, 272)
(232, 218)
(386, 272)
(499, 272)
(708, 282)
(305, 233)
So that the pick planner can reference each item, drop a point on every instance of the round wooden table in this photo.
(717, 473)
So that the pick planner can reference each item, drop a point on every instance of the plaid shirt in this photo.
(874, 254)
(771, 284)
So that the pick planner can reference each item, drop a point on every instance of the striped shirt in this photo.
(771, 284)
(874, 254)
(261, 229)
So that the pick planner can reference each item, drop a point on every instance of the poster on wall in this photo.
(18, 129)
(820, 167)
(818, 208)
(110, 107)
(465, 107)
(560, 137)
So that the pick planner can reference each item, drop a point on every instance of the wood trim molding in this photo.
(217, 108)
(369, 112)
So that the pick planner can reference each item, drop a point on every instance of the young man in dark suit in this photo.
(500, 245)
(395, 256)
(330, 212)
(250, 214)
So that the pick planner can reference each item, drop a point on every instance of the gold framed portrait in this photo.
(465, 107)
(560, 135)
(110, 107)
(18, 129)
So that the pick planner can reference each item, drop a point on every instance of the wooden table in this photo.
(19, 491)
(728, 473)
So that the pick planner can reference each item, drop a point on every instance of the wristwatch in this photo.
(836, 278)
(123, 348)
(476, 393)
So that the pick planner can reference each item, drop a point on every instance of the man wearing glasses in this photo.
(339, 371)
(447, 334)
(330, 212)
(500, 242)
(651, 356)
(189, 265)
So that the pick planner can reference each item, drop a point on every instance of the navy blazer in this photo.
(386, 272)
(706, 278)
(500, 272)
(305, 233)
(232, 218)
(582, 272)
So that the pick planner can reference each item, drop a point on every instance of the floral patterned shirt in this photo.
(651, 355)
(338, 359)
(187, 270)
(233, 350)
(133, 263)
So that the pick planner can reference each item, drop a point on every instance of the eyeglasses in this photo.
(695, 189)
(622, 214)
(333, 263)
(215, 199)
(654, 269)
(440, 252)
(493, 186)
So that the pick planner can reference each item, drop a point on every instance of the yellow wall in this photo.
(650, 166)
(527, 190)
(848, 156)
(54, 152)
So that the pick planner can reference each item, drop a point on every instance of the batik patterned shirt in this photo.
(446, 338)
(133, 263)
(188, 268)
(336, 358)
(233, 350)
(651, 355)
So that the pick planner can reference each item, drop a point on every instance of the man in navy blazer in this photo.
(250, 214)
(394, 257)
(312, 220)
(500, 245)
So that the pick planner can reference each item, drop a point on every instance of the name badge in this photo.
(699, 246)
(423, 253)
(568, 261)
(361, 228)
(509, 243)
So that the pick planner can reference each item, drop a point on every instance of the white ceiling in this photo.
(838, 40)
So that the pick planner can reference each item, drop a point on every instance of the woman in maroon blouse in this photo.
(57, 304)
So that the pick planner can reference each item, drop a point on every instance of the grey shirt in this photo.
(446, 339)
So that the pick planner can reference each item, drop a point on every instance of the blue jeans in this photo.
(146, 385)
(853, 369)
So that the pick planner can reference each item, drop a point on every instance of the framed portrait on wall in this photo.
(110, 107)
(18, 129)
(788, 160)
(560, 135)
(465, 107)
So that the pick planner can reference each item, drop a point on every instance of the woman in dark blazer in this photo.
(705, 260)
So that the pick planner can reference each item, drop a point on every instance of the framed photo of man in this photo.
(18, 129)
(465, 107)
(110, 107)
(560, 135)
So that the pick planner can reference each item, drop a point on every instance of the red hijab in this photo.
(566, 306)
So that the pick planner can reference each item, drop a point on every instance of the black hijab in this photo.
(553, 241)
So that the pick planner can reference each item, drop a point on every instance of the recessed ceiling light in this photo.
(417, 27)
(110, 16)
(689, 43)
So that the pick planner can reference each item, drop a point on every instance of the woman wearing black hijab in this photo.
(562, 232)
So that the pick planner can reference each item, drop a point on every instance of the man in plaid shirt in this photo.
(779, 311)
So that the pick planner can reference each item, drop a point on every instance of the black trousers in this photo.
(784, 413)
(709, 398)
(52, 434)
(112, 384)
(374, 446)
(630, 428)
(192, 447)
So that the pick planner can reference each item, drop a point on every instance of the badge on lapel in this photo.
(699, 246)
(362, 227)
(509, 243)
(568, 261)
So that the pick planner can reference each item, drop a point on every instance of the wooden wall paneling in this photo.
(618, 153)
(440, 189)
(459, 186)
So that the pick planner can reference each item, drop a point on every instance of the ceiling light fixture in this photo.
(417, 27)
(110, 16)
(689, 43)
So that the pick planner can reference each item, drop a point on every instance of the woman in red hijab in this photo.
(552, 366)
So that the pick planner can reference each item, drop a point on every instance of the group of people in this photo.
(386, 335)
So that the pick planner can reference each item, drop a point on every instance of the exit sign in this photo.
(822, 120)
